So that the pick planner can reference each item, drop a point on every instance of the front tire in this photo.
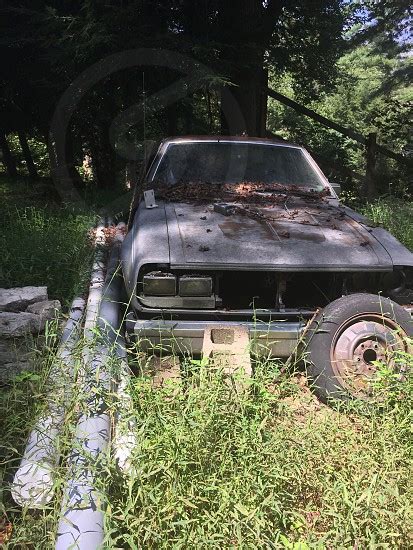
(349, 339)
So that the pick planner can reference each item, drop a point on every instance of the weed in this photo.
(213, 467)
(216, 468)
(395, 215)
(267, 468)
(45, 246)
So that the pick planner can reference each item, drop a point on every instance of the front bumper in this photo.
(275, 338)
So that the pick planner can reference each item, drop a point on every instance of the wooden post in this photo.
(371, 153)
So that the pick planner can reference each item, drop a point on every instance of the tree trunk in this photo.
(66, 178)
(31, 168)
(7, 159)
(246, 31)
(103, 159)
(244, 106)
(371, 150)
(71, 162)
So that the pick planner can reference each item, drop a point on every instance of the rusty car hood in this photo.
(298, 234)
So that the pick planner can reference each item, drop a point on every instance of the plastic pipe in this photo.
(124, 438)
(96, 282)
(81, 524)
(33, 483)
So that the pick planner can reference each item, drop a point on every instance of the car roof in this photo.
(239, 139)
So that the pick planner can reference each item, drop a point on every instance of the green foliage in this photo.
(385, 23)
(42, 246)
(309, 29)
(266, 467)
(39, 153)
(235, 42)
(395, 215)
(359, 103)
(40, 156)
(269, 467)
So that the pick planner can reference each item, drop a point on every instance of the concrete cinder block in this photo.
(227, 347)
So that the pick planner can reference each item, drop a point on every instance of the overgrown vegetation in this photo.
(395, 215)
(268, 468)
(366, 98)
(348, 60)
(42, 243)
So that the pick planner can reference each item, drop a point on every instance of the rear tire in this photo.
(347, 338)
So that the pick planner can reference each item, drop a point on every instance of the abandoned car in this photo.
(242, 232)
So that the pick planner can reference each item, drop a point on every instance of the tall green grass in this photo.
(42, 243)
(395, 215)
(270, 467)
(20, 404)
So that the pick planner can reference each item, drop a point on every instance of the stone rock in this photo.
(17, 299)
(14, 350)
(14, 325)
(16, 356)
(46, 310)
(9, 370)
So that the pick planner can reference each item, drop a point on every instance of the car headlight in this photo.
(195, 285)
(157, 283)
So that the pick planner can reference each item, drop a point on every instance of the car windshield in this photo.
(234, 162)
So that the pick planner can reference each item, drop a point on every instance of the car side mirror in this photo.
(336, 187)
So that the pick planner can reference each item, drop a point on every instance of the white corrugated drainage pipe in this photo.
(124, 438)
(97, 279)
(81, 521)
(124, 433)
(33, 483)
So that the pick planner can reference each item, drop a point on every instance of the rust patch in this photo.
(245, 227)
(287, 230)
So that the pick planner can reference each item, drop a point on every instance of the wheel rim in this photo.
(358, 345)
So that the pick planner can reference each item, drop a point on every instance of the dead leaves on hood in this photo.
(249, 198)
(244, 192)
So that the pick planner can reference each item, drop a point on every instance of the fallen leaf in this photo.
(6, 529)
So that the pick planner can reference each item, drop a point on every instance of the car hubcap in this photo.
(361, 348)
